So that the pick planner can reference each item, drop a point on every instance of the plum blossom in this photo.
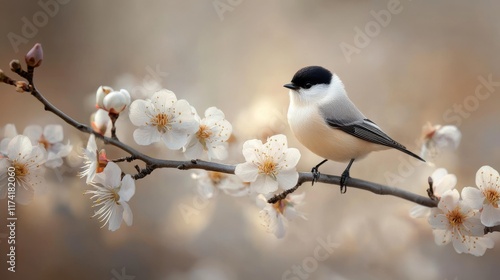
(163, 118)
(95, 160)
(486, 196)
(210, 182)
(441, 182)
(50, 138)
(212, 135)
(269, 165)
(27, 161)
(276, 216)
(111, 194)
(455, 221)
(438, 139)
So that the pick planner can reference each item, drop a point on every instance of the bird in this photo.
(326, 121)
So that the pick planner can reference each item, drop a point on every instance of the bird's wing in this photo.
(369, 131)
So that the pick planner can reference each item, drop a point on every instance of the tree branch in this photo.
(154, 163)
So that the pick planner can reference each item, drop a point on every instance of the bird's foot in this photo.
(316, 174)
(315, 171)
(343, 181)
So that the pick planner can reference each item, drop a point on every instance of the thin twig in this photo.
(154, 163)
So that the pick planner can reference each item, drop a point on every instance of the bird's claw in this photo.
(343, 181)
(315, 174)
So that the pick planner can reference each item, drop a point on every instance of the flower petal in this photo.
(116, 217)
(264, 184)
(33, 132)
(446, 183)
(292, 156)
(146, 135)
(53, 133)
(19, 147)
(140, 112)
(486, 176)
(449, 200)
(250, 148)
(287, 179)
(473, 197)
(128, 217)
(490, 216)
(246, 171)
(113, 174)
(438, 220)
(442, 237)
(174, 140)
(127, 189)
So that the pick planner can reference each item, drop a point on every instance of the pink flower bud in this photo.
(35, 56)
(116, 101)
(102, 91)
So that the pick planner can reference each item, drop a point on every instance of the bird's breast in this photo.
(314, 133)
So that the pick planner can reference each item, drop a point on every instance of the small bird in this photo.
(325, 120)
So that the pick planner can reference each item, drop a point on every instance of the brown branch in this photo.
(154, 163)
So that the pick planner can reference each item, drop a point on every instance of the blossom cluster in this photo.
(462, 221)
(30, 153)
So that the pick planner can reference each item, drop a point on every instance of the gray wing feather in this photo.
(369, 131)
(341, 113)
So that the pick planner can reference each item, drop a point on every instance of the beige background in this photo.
(427, 59)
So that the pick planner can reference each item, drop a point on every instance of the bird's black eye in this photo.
(308, 85)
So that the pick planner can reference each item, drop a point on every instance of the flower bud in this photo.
(116, 101)
(22, 86)
(100, 121)
(15, 65)
(102, 91)
(35, 56)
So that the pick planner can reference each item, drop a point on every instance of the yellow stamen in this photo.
(161, 121)
(455, 217)
(46, 144)
(21, 169)
(492, 196)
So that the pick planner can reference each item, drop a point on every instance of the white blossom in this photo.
(212, 135)
(27, 161)
(486, 196)
(50, 138)
(438, 139)
(275, 216)
(163, 118)
(455, 221)
(111, 194)
(269, 165)
(95, 160)
(441, 182)
(211, 182)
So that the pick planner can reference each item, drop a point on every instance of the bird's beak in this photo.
(292, 86)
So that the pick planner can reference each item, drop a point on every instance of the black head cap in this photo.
(310, 76)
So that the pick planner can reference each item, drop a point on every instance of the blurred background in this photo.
(403, 63)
